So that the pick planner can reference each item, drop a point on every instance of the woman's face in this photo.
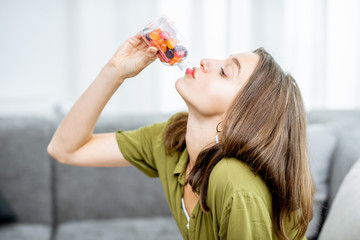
(213, 86)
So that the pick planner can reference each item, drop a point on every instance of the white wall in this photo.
(50, 51)
(33, 55)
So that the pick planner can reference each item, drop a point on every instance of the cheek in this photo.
(217, 98)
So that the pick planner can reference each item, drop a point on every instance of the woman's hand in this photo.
(132, 57)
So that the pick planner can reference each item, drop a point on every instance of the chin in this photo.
(179, 86)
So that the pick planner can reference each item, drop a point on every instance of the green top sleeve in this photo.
(137, 146)
(245, 215)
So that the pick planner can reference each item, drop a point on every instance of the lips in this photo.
(190, 71)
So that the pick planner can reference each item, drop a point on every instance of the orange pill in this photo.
(172, 62)
(162, 47)
(159, 41)
(177, 59)
(154, 35)
(171, 42)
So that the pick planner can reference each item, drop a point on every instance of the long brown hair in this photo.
(265, 127)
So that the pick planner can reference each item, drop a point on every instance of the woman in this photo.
(233, 167)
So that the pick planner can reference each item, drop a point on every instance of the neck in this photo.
(200, 133)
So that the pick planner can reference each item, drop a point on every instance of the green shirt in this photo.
(239, 200)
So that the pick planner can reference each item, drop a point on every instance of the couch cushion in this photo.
(157, 228)
(346, 125)
(7, 215)
(25, 167)
(25, 232)
(321, 144)
(343, 220)
(92, 193)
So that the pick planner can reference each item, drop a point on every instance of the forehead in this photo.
(248, 61)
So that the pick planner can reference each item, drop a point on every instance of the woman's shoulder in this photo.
(158, 128)
(237, 174)
(232, 176)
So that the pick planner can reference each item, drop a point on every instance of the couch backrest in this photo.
(346, 125)
(91, 193)
(82, 193)
(25, 168)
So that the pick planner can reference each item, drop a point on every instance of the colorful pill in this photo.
(170, 53)
(162, 47)
(180, 51)
(165, 35)
(154, 35)
(163, 57)
(171, 43)
(159, 42)
(177, 59)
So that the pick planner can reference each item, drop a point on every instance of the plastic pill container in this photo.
(162, 34)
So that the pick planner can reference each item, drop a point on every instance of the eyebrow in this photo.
(236, 61)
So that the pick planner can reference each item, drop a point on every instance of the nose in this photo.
(204, 64)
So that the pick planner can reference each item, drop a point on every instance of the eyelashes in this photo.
(222, 72)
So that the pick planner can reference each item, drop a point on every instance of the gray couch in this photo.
(55, 201)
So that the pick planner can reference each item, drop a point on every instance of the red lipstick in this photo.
(190, 71)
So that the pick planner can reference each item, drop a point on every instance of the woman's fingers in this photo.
(133, 56)
(152, 51)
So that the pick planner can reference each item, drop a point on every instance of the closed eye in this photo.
(222, 72)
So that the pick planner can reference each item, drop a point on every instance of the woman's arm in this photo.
(74, 142)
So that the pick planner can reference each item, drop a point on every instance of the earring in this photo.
(217, 133)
